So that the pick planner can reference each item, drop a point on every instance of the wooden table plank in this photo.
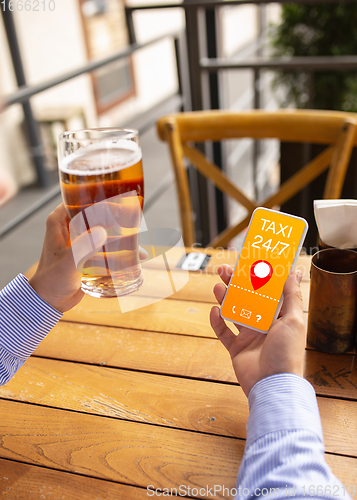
(169, 316)
(19, 481)
(339, 418)
(175, 402)
(345, 469)
(165, 458)
(330, 374)
(208, 407)
(139, 350)
(198, 289)
(127, 452)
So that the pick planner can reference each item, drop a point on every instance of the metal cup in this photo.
(332, 320)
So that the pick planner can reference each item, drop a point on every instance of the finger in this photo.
(219, 290)
(292, 297)
(225, 272)
(87, 245)
(224, 334)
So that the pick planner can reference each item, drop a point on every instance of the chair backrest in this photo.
(336, 130)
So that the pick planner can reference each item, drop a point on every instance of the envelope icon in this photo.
(245, 314)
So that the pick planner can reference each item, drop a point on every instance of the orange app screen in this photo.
(272, 243)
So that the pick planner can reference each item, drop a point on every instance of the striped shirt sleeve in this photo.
(284, 453)
(25, 320)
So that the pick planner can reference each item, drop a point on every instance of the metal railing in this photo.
(25, 92)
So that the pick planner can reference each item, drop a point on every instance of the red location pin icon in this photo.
(260, 273)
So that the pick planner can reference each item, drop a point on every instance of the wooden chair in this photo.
(334, 129)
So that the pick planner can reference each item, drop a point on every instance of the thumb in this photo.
(87, 245)
(292, 297)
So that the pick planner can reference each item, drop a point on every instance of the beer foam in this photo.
(101, 158)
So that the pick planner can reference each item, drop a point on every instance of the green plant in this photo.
(317, 30)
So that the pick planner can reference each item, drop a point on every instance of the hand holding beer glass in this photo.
(102, 185)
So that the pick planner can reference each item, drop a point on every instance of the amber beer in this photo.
(103, 182)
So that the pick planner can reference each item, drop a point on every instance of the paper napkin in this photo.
(337, 222)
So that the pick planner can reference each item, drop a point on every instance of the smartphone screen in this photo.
(269, 253)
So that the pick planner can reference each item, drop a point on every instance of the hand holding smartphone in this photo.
(269, 253)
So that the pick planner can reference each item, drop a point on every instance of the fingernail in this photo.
(298, 276)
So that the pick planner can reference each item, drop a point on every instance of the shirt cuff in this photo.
(282, 402)
(26, 318)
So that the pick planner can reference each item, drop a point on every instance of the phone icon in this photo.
(269, 253)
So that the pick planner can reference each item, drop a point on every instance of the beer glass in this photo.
(101, 180)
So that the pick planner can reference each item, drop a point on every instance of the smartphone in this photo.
(271, 247)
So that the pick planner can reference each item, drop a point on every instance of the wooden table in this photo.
(112, 403)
